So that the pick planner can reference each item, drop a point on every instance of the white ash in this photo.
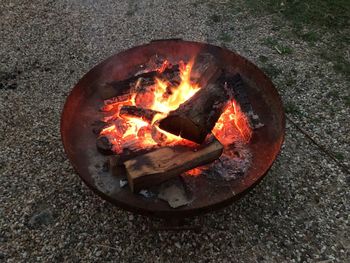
(147, 193)
(174, 194)
(232, 164)
(254, 120)
(123, 183)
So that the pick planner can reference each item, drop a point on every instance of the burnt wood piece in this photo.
(196, 117)
(112, 104)
(158, 136)
(114, 161)
(145, 114)
(162, 164)
(114, 88)
(117, 99)
(205, 69)
(235, 83)
(104, 146)
(98, 126)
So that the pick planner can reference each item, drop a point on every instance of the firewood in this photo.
(205, 70)
(237, 86)
(104, 146)
(164, 163)
(240, 94)
(114, 161)
(98, 126)
(196, 117)
(120, 98)
(117, 88)
(145, 114)
(158, 136)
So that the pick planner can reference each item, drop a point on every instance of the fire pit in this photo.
(173, 128)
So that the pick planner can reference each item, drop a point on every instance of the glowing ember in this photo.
(230, 120)
(178, 94)
(162, 97)
(195, 172)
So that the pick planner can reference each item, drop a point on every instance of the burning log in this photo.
(164, 163)
(205, 70)
(196, 117)
(114, 88)
(236, 84)
(240, 94)
(158, 136)
(145, 114)
(108, 104)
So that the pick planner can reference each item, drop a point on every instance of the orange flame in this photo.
(230, 120)
(163, 98)
(178, 95)
(159, 102)
(195, 171)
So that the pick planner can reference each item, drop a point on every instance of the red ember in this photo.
(163, 98)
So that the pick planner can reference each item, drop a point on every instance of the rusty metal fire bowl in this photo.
(81, 111)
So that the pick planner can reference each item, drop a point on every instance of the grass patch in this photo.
(339, 156)
(340, 64)
(310, 36)
(215, 18)
(330, 14)
(195, 4)
(263, 59)
(291, 108)
(270, 41)
(347, 100)
(286, 33)
(271, 70)
(316, 120)
(273, 43)
(225, 37)
(132, 8)
(283, 50)
(130, 13)
(249, 27)
(333, 93)
(311, 21)
(290, 81)
(276, 194)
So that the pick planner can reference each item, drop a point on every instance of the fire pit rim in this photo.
(182, 212)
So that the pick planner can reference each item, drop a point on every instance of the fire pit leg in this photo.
(176, 224)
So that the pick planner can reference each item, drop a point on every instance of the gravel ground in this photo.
(299, 213)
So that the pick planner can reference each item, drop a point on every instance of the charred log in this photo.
(120, 98)
(205, 70)
(157, 135)
(236, 84)
(98, 126)
(196, 117)
(114, 161)
(164, 163)
(145, 114)
(104, 146)
(114, 88)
